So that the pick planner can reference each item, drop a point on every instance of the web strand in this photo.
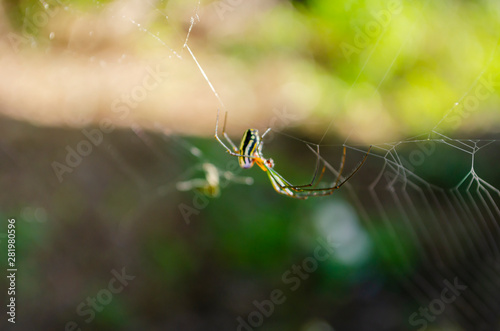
(451, 231)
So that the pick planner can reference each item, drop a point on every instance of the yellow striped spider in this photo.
(250, 153)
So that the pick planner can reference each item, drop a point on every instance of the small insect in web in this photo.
(211, 184)
(212, 179)
(250, 153)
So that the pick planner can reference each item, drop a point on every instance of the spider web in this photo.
(453, 229)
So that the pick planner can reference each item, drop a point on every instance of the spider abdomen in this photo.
(248, 147)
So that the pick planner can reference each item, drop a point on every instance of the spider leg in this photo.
(262, 137)
(341, 167)
(280, 179)
(285, 187)
(277, 179)
(314, 182)
(328, 190)
(280, 185)
(261, 142)
(315, 171)
(320, 176)
(225, 134)
(355, 170)
(232, 152)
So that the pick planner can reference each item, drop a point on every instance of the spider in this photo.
(250, 153)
